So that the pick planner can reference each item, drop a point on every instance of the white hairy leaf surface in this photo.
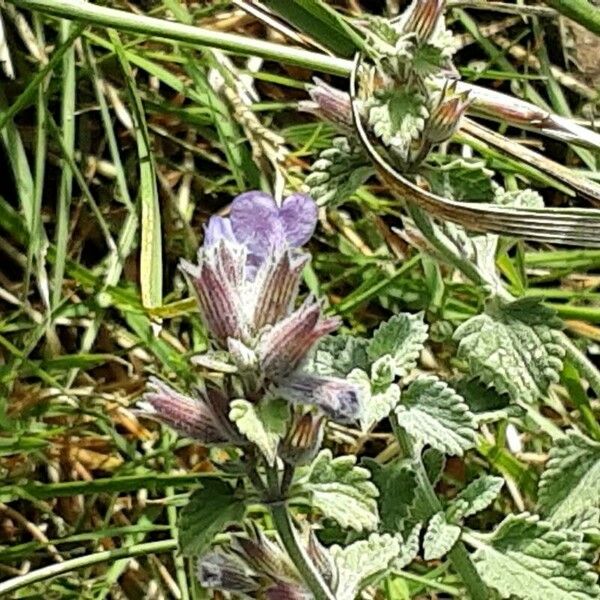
(338, 173)
(570, 483)
(439, 538)
(249, 423)
(526, 558)
(377, 404)
(402, 337)
(361, 560)
(343, 491)
(477, 496)
(434, 414)
(514, 349)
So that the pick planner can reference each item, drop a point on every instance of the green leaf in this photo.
(151, 271)
(338, 173)
(340, 354)
(396, 483)
(477, 496)
(460, 179)
(434, 462)
(209, 510)
(264, 432)
(513, 349)
(342, 491)
(397, 117)
(362, 560)
(377, 405)
(526, 558)
(321, 22)
(571, 481)
(402, 337)
(434, 414)
(439, 538)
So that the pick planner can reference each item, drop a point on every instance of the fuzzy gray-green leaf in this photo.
(402, 337)
(440, 537)
(570, 483)
(434, 414)
(528, 559)
(513, 350)
(342, 491)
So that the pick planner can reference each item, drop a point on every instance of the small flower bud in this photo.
(216, 281)
(330, 104)
(337, 398)
(277, 284)
(303, 440)
(445, 117)
(422, 18)
(226, 572)
(205, 418)
(190, 416)
(283, 346)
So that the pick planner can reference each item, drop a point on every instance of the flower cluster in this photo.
(247, 281)
(254, 566)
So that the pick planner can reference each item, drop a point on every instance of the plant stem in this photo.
(197, 36)
(46, 573)
(290, 541)
(459, 557)
(305, 566)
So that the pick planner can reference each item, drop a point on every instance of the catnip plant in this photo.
(287, 514)
(279, 378)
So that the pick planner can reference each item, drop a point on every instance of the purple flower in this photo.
(257, 223)
(204, 419)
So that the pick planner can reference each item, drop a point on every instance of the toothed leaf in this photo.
(477, 496)
(513, 349)
(361, 560)
(342, 491)
(402, 337)
(439, 537)
(526, 558)
(434, 414)
(338, 173)
(570, 482)
(209, 510)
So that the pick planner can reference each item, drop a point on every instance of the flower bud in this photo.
(277, 283)
(445, 117)
(422, 18)
(217, 280)
(330, 104)
(204, 418)
(283, 346)
(303, 439)
(226, 572)
(337, 398)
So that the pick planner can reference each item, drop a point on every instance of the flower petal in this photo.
(298, 215)
(256, 224)
(217, 228)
